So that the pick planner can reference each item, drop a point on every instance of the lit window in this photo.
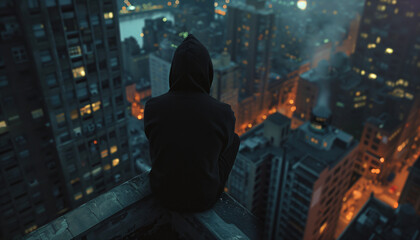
(3, 124)
(74, 114)
(371, 45)
(104, 153)
(85, 110)
(60, 117)
(409, 14)
(89, 190)
(31, 228)
(73, 181)
(114, 149)
(75, 51)
(323, 227)
(96, 171)
(109, 15)
(79, 72)
(389, 50)
(381, 8)
(37, 113)
(78, 196)
(372, 76)
(96, 106)
(107, 167)
(363, 72)
(364, 35)
(115, 162)
(378, 40)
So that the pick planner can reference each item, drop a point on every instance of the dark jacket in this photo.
(188, 130)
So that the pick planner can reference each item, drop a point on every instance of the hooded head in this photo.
(192, 69)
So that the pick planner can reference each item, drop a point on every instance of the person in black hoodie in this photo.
(192, 141)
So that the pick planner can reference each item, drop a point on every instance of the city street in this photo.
(357, 196)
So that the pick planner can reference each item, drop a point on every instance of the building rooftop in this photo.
(129, 211)
(385, 121)
(326, 148)
(377, 220)
(278, 118)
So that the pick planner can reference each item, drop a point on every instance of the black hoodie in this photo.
(188, 131)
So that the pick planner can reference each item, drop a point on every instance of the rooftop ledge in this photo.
(129, 211)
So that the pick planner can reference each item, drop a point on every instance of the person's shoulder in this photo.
(156, 100)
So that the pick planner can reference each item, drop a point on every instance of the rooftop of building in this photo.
(324, 149)
(385, 121)
(278, 118)
(129, 211)
(377, 220)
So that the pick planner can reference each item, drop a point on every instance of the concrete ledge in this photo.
(129, 211)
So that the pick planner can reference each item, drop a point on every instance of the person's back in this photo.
(191, 135)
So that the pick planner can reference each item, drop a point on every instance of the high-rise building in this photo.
(249, 41)
(378, 145)
(260, 148)
(388, 46)
(225, 87)
(310, 183)
(160, 68)
(411, 192)
(377, 220)
(63, 124)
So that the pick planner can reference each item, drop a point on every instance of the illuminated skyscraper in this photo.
(63, 128)
(309, 184)
(249, 41)
(388, 46)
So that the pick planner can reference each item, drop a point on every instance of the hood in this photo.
(192, 69)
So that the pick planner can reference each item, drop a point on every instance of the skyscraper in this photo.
(249, 42)
(63, 116)
(260, 148)
(311, 181)
(388, 46)
(160, 67)
(411, 192)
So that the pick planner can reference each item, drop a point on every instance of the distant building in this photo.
(135, 61)
(63, 126)
(160, 67)
(388, 46)
(377, 220)
(378, 145)
(225, 87)
(411, 192)
(309, 184)
(249, 41)
(205, 8)
(260, 148)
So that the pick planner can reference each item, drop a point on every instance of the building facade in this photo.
(63, 119)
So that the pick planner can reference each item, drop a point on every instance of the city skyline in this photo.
(326, 99)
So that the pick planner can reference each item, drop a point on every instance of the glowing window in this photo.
(381, 8)
(31, 228)
(114, 149)
(371, 45)
(109, 15)
(79, 72)
(372, 76)
(78, 196)
(75, 51)
(322, 228)
(74, 114)
(364, 35)
(389, 50)
(96, 106)
(115, 162)
(363, 72)
(107, 167)
(85, 110)
(96, 171)
(3, 124)
(104, 153)
(60, 117)
(37, 113)
(378, 40)
(89, 190)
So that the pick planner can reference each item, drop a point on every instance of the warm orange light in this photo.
(169, 3)
(291, 101)
(224, 6)
(250, 125)
(226, 189)
(115, 162)
(293, 108)
(382, 159)
(375, 170)
(395, 205)
(139, 117)
(264, 117)
(95, 142)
